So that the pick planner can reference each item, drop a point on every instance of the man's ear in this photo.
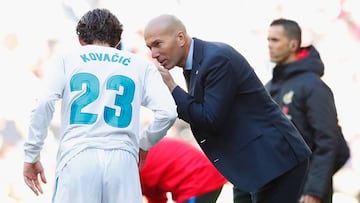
(181, 39)
(294, 45)
(81, 41)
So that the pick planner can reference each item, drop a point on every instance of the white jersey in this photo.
(102, 90)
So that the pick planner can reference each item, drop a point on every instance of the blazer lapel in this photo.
(197, 57)
(193, 78)
(187, 74)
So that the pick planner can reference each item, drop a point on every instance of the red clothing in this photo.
(175, 166)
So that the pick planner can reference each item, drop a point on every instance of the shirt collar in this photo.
(189, 59)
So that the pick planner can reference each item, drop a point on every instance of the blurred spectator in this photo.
(174, 165)
(309, 103)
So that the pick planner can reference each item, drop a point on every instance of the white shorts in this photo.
(99, 176)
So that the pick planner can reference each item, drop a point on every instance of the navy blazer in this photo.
(235, 121)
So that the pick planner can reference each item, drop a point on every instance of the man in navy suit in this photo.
(233, 118)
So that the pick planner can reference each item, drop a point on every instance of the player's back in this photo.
(104, 86)
(102, 91)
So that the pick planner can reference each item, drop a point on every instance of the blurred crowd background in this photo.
(33, 31)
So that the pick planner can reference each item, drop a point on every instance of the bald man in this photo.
(233, 118)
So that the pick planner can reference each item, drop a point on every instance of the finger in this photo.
(38, 186)
(157, 64)
(43, 178)
(161, 70)
(30, 184)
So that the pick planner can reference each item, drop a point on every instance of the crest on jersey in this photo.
(287, 98)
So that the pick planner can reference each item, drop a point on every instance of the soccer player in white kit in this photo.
(101, 90)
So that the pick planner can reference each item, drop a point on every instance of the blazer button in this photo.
(202, 141)
(215, 160)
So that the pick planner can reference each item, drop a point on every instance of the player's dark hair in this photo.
(291, 28)
(99, 25)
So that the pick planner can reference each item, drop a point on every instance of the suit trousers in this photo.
(285, 188)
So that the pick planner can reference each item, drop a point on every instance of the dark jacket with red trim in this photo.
(309, 103)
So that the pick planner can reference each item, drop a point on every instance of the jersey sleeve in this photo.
(43, 110)
(158, 99)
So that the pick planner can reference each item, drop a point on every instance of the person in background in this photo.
(176, 166)
(308, 102)
(233, 118)
(101, 90)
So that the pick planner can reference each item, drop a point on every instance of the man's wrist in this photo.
(172, 87)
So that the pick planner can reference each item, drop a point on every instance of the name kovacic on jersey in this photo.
(115, 58)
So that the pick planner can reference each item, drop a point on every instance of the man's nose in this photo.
(154, 54)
